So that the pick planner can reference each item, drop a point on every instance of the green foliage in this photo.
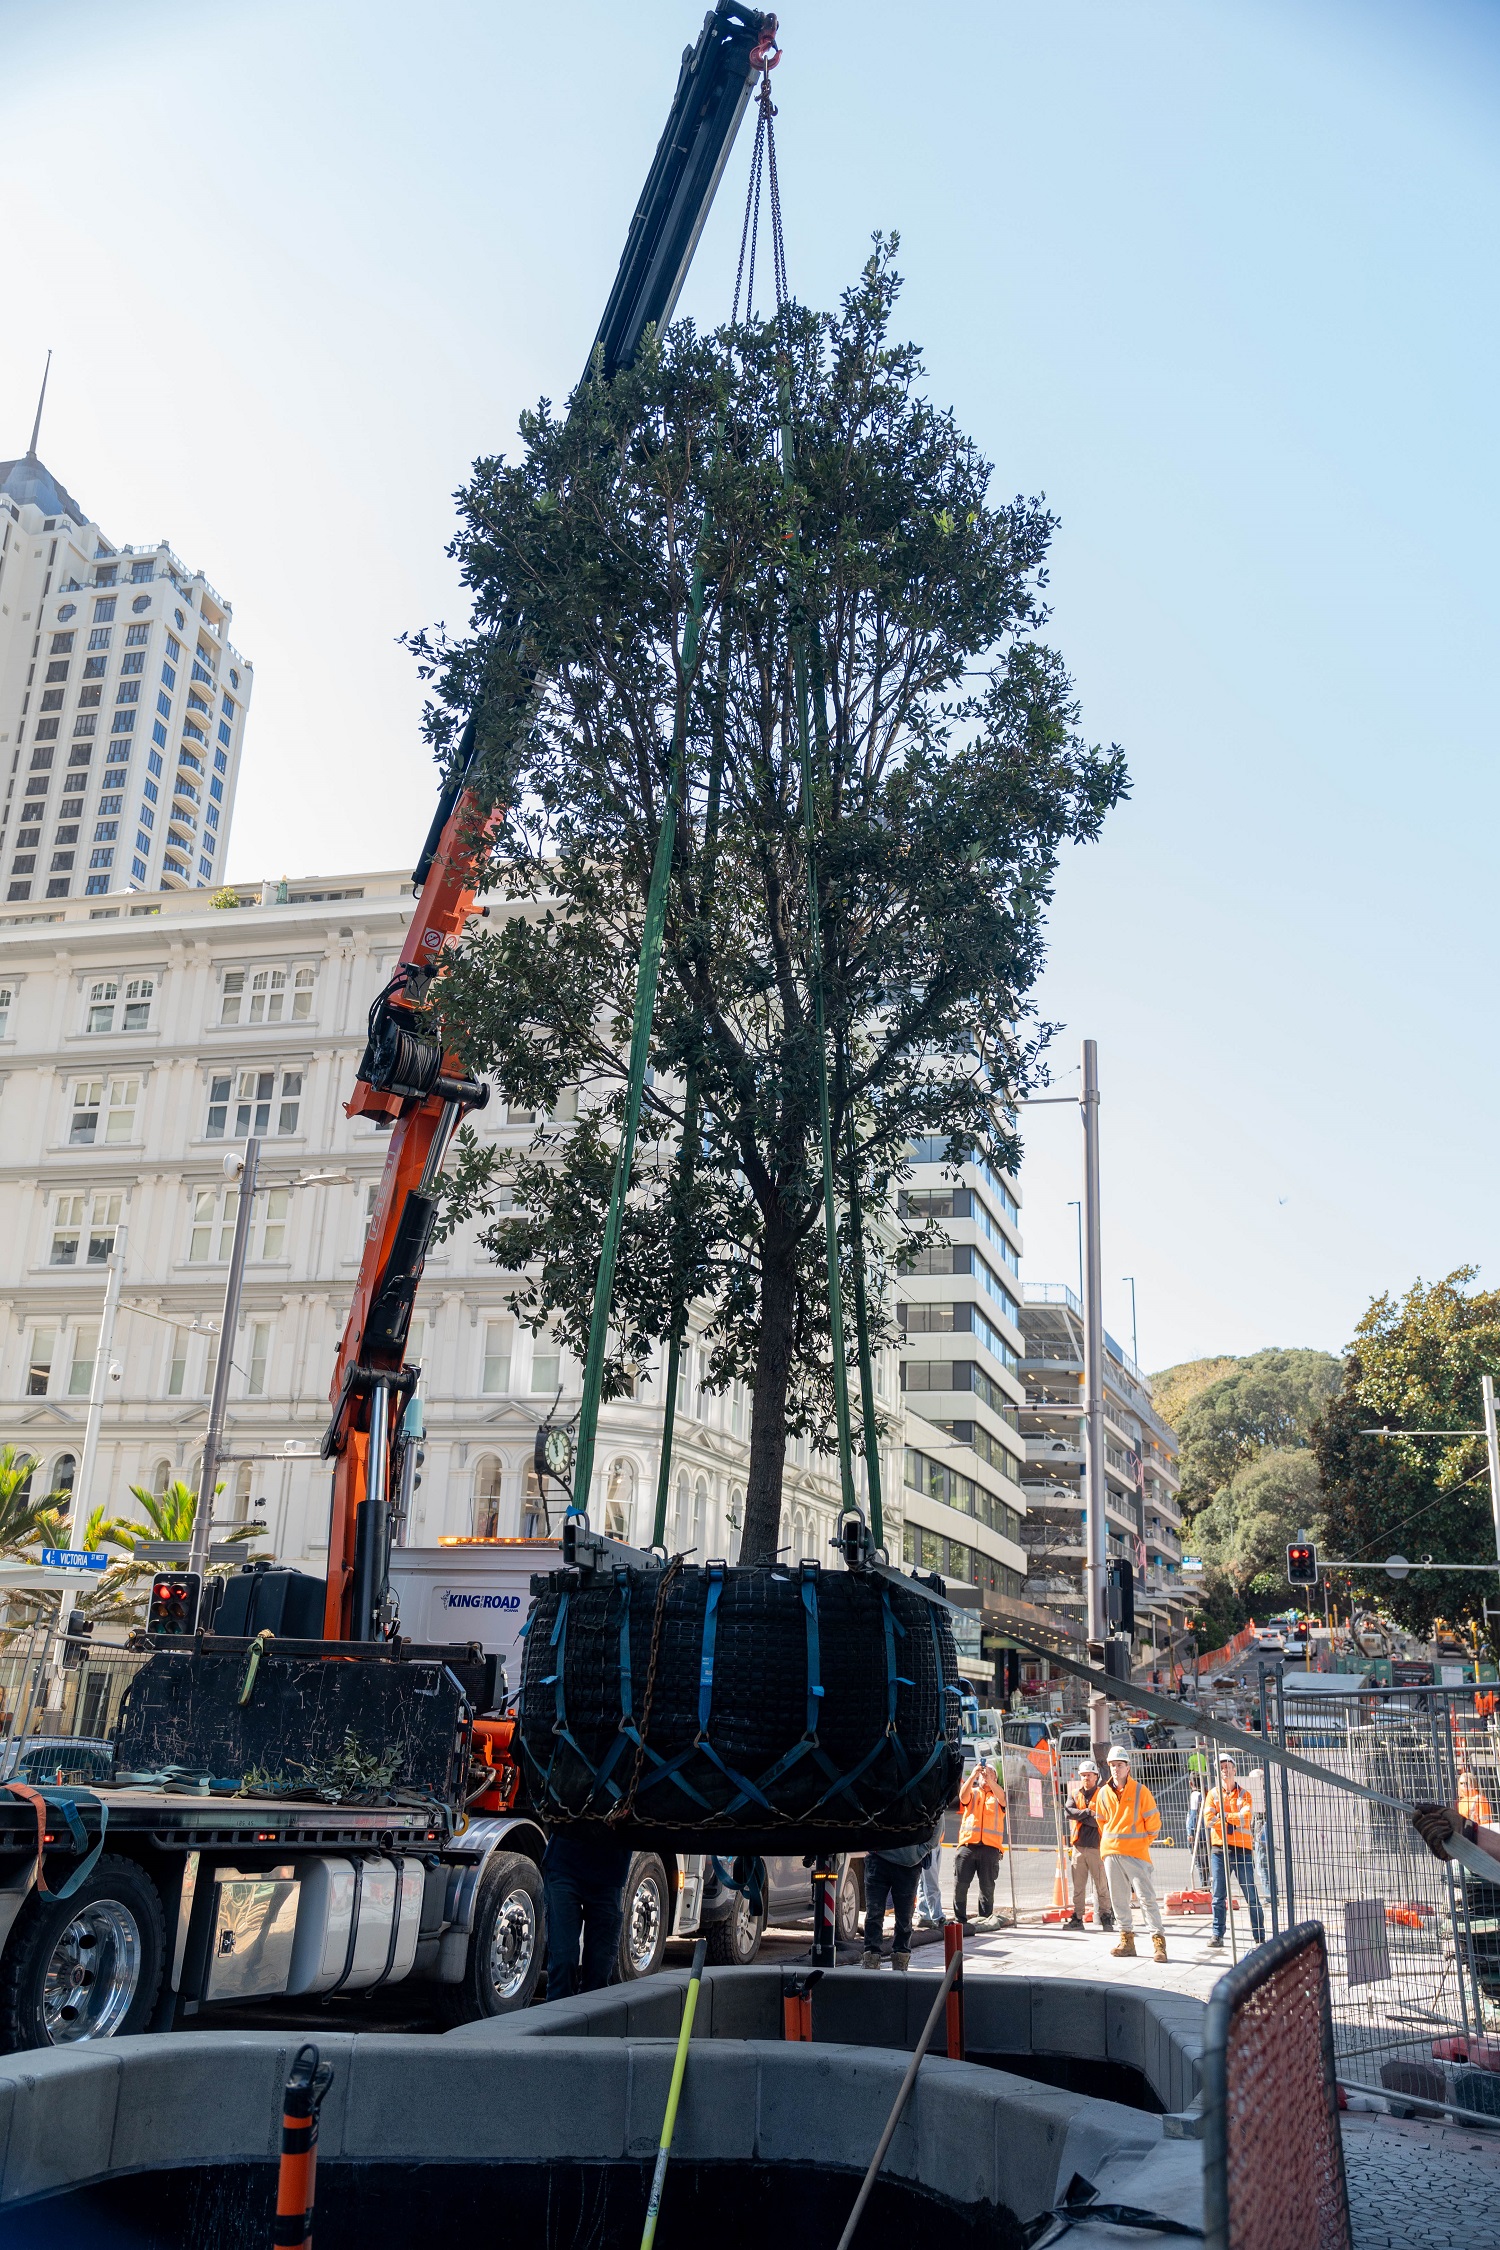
(1416, 1364)
(1269, 1400)
(949, 775)
(27, 1518)
(1245, 1529)
(1174, 1390)
(353, 1775)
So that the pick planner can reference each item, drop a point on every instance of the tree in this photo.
(947, 774)
(27, 1518)
(1416, 1364)
(1268, 1400)
(1244, 1531)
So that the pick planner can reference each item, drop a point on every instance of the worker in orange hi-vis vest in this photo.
(1473, 1804)
(1229, 1817)
(1129, 1824)
(981, 1840)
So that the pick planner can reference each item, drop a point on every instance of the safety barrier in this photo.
(1273, 2158)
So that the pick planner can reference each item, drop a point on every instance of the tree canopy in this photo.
(1415, 1364)
(869, 561)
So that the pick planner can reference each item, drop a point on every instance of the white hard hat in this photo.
(1088, 1766)
(1119, 1754)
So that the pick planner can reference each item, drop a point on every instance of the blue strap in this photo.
(64, 1801)
(747, 1789)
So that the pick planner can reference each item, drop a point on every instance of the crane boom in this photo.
(404, 1078)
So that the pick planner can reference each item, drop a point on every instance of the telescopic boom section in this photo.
(404, 1076)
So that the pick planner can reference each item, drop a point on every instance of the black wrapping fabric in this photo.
(758, 1715)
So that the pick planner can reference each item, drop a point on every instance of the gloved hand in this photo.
(1434, 1824)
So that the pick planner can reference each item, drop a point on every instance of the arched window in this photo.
(64, 1473)
(534, 1524)
(682, 1514)
(619, 1498)
(735, 1530)
(488, 1477)
(161, 1477)
(784, 1533)
(243, 1479)
(700, 1519)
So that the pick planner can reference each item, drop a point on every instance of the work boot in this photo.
(1125, 1950)
(869, 1960)
(1106, 1921)
(1074, 1922)
(1216, 1945)
(900, 1962)
(1159, 1946)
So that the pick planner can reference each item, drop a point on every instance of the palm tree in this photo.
(27, 1518)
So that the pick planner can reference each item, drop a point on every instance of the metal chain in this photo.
(624, 1809)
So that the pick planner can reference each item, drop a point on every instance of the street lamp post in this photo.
(83, 1483)
(212, 1444)
(1093, 1384)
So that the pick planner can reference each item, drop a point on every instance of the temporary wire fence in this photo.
(1413, 1943)
(51, 1685)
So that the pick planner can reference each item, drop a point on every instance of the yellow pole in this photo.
(689, 2008)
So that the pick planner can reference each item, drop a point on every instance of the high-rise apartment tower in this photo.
(122, 706)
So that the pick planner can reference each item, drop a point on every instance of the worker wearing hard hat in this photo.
(1473, 1804)
(1082, 1813)
(981, 1841)
(1129, 1824)
(1229, 1818)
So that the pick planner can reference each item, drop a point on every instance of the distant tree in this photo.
(1175, 1389)
(28, 1518)
(1268, 1401)
(1245, 1530)
(948, 774)
(1415, 1364)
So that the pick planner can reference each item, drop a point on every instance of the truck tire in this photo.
(850, 1902)
(734, 1941)
(646, 1918)
(85, 1967)
(508, 1946)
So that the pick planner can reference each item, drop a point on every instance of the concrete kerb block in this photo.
(861, 2008)
(1130, 2032)
(716, 2116)
(746, 2004)
(997, 2015)
(63, 2105)
(216, 2098)
(953, 2109)
(1031, 2129)
(1068, 2018)
(828, 2106)
(444, 2101)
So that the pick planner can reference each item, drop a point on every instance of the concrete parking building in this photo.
(1140, 1471)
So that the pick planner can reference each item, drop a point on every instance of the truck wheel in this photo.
(734, 1942)
(508, 1944)
(647, 1918)
(85, 1967)
(851, 1899)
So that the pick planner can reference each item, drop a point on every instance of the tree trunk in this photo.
(773, 1371)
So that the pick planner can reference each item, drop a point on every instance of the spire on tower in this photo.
(36, 427)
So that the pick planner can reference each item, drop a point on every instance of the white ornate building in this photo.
(140, 1040)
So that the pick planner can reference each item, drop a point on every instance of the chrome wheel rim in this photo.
(512, 1944)
(93, 1974)
(645, 1925)
(746, 1925)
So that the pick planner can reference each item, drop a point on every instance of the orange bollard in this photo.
(307, 2083)
(953, 1943)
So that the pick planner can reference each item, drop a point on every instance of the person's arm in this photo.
(1434, 1823)
(1150, 1816)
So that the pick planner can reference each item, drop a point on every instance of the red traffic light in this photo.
(1302, 1565)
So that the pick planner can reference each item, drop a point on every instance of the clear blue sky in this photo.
(1220, 281)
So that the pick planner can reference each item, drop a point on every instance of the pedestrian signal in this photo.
(1302, 1566)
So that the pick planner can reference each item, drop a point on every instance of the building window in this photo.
(81, 1366)
(273, 1223)
(62, 644)
(128, 691)
(7, 1002)
(136, 636)
(98, 638)
(211, 1232)
(39, 1368)
(246, 1102)
(84, 1220)
(260, 1353)
(103, 612)
(129, 1009)
(113, 1101)
(177, 1365)
(494, 1377)
(546, 1364)
(262, 995)
(64, 1476)
(619, 1498)
(488, 1479)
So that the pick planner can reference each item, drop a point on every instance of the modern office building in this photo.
(960, 1314)
(1140, 1473)
(140, 1041)
(122, 707)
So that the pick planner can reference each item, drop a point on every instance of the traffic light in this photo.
(1302, 1565)
(173, 1611)
(1119, 1597)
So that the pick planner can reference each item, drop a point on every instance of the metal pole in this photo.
(1093, 1385)
(369, 1546)
(214, 1442)
(1135, 1348)
(1492, 1448)
(83, 1485)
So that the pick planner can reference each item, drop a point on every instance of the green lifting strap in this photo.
(640, 1047)
(801, 634)
(870, 1425)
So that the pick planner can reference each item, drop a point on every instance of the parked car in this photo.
(45, 1759)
